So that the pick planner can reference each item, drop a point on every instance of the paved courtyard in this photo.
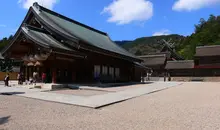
(93, 101)
(79, 92)
(188, 106)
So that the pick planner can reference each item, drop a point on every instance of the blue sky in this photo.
(121, 19)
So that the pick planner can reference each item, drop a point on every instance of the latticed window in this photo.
(111, 71)
(104, 70)
(97, 71)
(117, 72)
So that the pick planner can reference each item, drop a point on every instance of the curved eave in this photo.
(18, 33)
(35, 40)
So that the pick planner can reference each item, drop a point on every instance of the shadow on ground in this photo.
(108, 85)
(4, 120)
(11, 93)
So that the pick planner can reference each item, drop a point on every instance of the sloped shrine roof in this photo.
(185, 64)
(153, 60)
(76, 30)
(208, 51)
(168, 54)
(43, 38)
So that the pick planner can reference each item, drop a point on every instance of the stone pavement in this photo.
(95, 101)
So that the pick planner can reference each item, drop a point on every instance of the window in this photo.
(117, 72)
(111, 71)
(104, 70)
(97, 70)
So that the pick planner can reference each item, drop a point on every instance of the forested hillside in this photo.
(146, 45)
(207, 32)
(5, 41)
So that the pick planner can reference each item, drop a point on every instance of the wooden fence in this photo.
(12, 75)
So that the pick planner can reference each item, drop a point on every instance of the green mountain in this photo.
(207, 32)
(146, 45)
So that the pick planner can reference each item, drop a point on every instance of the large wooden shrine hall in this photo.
(69, 51)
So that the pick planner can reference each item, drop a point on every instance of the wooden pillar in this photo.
(27, 73)
(73, 76)
(54, 75)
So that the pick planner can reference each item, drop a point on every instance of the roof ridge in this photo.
(207, 46)
(181, 61)
(160, 55)
(69, 19)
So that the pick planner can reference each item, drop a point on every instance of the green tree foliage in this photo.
(146, 45)
(5, 41)
(138, 53)
(6, 64)
(206, 33)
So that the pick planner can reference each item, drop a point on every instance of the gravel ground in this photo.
(189, 106)
(79, 92)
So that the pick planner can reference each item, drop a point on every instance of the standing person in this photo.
(19, 78)
(22, 78)
(35, 77)
(169, 77)
(164, 76)
(43, 77)
(7, 80)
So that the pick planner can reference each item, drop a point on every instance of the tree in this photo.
(138, 53)
(5, 41)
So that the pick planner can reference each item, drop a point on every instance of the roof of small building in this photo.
(141, 65)
(184, 64)
(168, 54)
(213, 50)
(154, 60)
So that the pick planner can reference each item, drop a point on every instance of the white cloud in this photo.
(127, 11)
(162, 32)
(2, 25)
(189, 5)
(46, 3)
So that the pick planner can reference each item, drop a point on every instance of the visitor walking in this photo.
(169, 77)
(35, 77)
(6, 80)
(22, 78)
(19, 78)
(165, 77)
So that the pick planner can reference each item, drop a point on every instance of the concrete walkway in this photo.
(96, 101)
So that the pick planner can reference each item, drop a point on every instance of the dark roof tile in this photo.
(153, 60)
(185, 64)
(74, 29)
(213, 50)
